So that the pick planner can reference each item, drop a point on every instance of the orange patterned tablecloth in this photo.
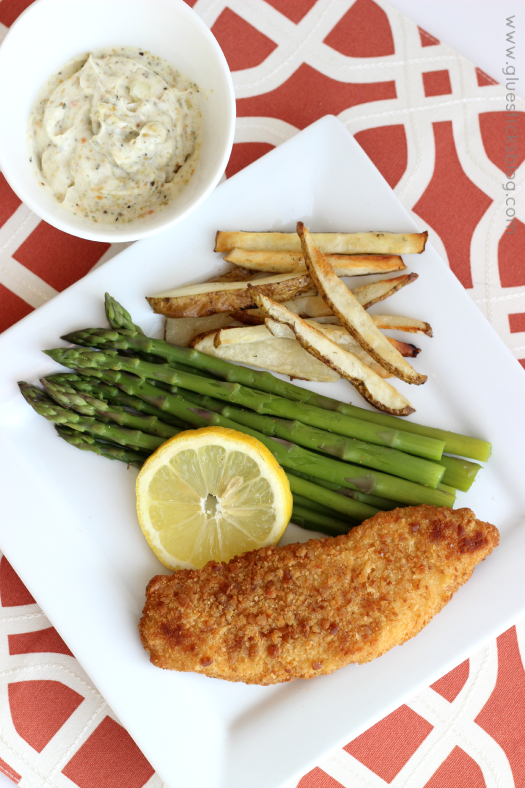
(437, 127)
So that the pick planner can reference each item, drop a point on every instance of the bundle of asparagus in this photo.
(343, 463)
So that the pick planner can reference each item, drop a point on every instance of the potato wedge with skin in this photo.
(371, 386)
(352, 315)
(190, 301)
(180, 331)
(285, 356)
(236, 274)
(210, 298)
(289, 262)
(314, 306)
(331, 243)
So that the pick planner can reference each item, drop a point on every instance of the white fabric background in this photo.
(474, 28)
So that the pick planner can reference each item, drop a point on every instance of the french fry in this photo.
(370, 385)
(330, 320)
(341, 337)
(285, 356)
(241, 335)
(353, 317)
(387, 323)
(210, 298)
(396, 323)
(343, 340)
(331, 243)
(406, 349)
(314, 306)
(368, 295)
(309, 306)
(180, 331)
(289, 262)
(249, 317)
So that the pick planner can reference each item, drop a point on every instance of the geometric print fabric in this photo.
(435, 126)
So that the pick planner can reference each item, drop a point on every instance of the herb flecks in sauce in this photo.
(115, 138)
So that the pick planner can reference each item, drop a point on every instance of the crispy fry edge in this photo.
(416, 379)
(358, 384)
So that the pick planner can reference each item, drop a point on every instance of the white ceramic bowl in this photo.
(51, 32)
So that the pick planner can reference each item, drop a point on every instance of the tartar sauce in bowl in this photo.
(115, 135)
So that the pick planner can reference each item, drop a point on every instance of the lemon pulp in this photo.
(211, 494)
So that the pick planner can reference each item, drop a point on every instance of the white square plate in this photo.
(68, 521)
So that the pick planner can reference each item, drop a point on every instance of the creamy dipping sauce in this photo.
(115, 135)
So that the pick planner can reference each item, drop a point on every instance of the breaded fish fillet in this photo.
(281, 613)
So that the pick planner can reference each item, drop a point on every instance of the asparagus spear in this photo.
(365, 480)
(264, 381)
(313, 491)
(314, 521)
(288, 455)
(135, 439)
(459, 473)
(447, 488)
(323, 520)
(312, 506)
(372, 500)
(455, 443)
(300, 401)
(261, 402)
(118, 317)
(87, 443)
(33, 395)
(389, 461)
(90, 406)
(112, 394)
(306, 503)
(454, 473)
(47, 408)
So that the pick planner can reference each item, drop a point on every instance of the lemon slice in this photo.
(210, 494)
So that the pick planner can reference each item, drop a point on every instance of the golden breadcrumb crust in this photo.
(281, 613)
